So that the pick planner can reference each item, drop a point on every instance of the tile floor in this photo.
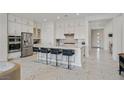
(98, 66)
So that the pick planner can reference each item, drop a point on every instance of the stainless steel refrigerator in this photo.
(26, 44)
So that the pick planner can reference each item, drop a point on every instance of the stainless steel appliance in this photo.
(26, 44)
(14, 43)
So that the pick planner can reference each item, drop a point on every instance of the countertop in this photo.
(61, 47)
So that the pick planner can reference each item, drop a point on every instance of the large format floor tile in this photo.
(98, 66)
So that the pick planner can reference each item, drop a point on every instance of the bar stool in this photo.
(36, 50)
(46, 51)
(68, 53)
(56, 52)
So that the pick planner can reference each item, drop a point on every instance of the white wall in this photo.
(16, 25)
(116, 26)
(117, 36)
(107, 30)
(3, 37)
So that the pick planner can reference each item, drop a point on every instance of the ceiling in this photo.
(42, 17)
(98, 24)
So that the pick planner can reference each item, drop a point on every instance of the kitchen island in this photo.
(76, 59)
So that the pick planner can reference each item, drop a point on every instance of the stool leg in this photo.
(37, 56)
(56, 60)
(68, 63)
(47, 58)
(119, 70)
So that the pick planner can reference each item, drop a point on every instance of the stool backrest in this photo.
(55, 51)
(68, 52)
(44, 50)
(36, 49)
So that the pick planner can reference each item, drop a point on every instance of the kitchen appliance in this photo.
(26, 44)
(14, 43)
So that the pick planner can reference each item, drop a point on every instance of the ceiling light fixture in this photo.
(58, 17)
(77, 14)
(45, 20)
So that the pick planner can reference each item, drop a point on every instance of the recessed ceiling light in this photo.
(58, 17)
(77, 14)
(45, 20)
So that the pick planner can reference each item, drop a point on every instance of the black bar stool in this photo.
(56, 52)
(68, 53)
(46, 51)
(36, 50)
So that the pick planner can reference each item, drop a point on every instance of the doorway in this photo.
(97, 38)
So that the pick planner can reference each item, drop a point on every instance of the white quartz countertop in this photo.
(61, 47)
(5, 66)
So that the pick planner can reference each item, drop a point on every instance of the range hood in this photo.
(69, 38)
(69, 34)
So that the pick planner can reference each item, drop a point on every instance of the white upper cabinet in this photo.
(30, 29)
(11, 28)
(24, 21)
(18, 20)
(16, 25)
(18, 29)
(14, 29)
(69, 27)
(11, 18)
(66, 31)
(24, 28)
(30, 23)
(60, 30)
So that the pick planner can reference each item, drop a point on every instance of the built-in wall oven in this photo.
(14, 44)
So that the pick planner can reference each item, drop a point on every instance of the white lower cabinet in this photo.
(14, 55)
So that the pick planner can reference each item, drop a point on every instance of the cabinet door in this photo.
(66, 30)
(24, 21)
(18, 29)
(60, 31)
(24, 28)
(71, 27)
(18, 20)
(30, 29)
(80, 32)
(31, 23)
(57, 30)
(11, 18)
(11, 28)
